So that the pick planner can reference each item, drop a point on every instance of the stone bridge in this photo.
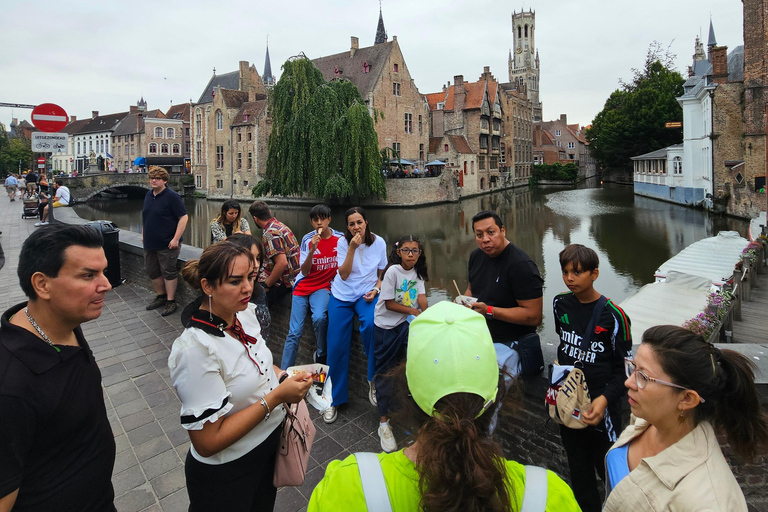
(85, 187)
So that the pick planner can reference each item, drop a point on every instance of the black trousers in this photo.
(276, 293)
(242, 485)
(586, 449)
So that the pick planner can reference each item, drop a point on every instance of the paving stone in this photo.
(160, 464)
(152, 448)
(125, 397)
(121, 443)
(131, 407)
(161, 397)
(169, 482)
(289, 499)
(136, 362)
(324, 449)
(114, 379)
(124, 460)
(144, 433)
(178, 436)
(127, 480)
(137, 420)
(135, 500)
(141, 370)
(348, 434)
(176, 502)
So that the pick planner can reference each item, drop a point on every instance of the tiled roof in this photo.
(461, 144)
(252, 109)
(226, 81)
(180, 111)
(434, 144)
(659, 153)
(103, 123)
(132, 123)
(434, 98)
(234, 99)
(25, 124)
(475, 91)
(75, 126)
(352, 67)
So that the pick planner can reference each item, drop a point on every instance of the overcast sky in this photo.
(105, 55)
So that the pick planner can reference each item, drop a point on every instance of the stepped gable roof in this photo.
(249, 111)
(225, 81)
(461, 144)
(75, 126)
(103, 123)
(132, 123)
(434, 144)
(180, 111)
(351, 67)
(434, 98)
(234, 99)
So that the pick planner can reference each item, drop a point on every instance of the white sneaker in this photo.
(38, 224)
(372, 394)
(330, 415)
(388, 443)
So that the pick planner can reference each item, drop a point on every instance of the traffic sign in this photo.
(41, 160)
(49, 142)
(49, 117)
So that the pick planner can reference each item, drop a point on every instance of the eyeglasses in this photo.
(410, 252)
(642, 379)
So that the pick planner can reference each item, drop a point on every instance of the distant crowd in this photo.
(442, 372)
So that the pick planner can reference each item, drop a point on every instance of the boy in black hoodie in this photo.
(603, 366)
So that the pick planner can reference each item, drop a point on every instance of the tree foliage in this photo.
(12, 151)
(323, 142)
(633, 118)
(555, 172)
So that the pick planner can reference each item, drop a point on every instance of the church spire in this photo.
(381, 33)
(267, 77)
(712, 41)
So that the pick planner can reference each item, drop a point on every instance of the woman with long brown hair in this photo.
(681, 389)
(231, 397)
(229, 221)
(448, 388)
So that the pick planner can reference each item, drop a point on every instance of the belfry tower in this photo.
(524, 59)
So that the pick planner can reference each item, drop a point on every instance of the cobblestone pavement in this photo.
(131, 346)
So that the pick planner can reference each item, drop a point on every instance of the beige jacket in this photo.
(691, 475)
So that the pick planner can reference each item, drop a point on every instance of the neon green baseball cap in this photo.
(450, 351)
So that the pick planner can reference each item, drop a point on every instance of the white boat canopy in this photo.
(711, 258)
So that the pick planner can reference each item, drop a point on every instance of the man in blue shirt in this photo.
(164, 219)
(11, 185)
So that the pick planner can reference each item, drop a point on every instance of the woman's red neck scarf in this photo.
(248, 341)
(217, 327)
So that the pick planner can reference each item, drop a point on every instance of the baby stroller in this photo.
(31, 206)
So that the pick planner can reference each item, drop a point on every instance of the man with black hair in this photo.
(281, 253)
(56, 444)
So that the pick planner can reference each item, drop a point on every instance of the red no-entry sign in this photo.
(49, 117)
(41, 160)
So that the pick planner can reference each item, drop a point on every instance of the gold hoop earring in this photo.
(210, 308)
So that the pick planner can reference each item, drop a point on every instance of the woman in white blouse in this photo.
(231, 398)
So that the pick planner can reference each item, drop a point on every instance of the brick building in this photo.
(739, 116)
(571, 144)
(545, 148)
(129, 143)
(518, 128)
(230, 128)
(380, 74)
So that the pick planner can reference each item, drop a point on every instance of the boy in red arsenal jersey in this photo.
(313, 284)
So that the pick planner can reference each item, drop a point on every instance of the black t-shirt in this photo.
(501, 282)
(160, 217)
(56, 445)
(31, 177)
(611, 342)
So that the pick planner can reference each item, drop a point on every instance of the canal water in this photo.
(632, 235)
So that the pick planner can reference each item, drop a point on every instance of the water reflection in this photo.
(632, 235)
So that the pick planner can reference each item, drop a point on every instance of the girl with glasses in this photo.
(681, 391)
(402, 295)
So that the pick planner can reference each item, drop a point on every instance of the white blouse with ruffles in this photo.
(213, 376)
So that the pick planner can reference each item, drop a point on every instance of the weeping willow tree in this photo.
(323, 142)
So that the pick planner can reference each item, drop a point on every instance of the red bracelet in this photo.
(489, 312)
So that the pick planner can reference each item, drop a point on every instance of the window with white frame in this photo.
(571, 145)
(219, 157)
(219, 120)
(176, 148)
(396, 88)
(152, 148)
(199, 124)
(677, 165)
(408, 123)
(557, 133)
(199, 152)
(198, 181)
(158, 132)
(163, 149)
(170, 133)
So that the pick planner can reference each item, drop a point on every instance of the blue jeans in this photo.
(340, 315)
(318, 303)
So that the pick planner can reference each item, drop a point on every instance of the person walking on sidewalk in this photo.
(11, 185)
(164, 219)
(57, 451)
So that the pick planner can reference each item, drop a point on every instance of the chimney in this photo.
(459, 95)
(354, 46)
(564, 118)
(72, 119)
(133, 109)
(718, 55)
(94, 114)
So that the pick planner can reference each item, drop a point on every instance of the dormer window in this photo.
(396, 68)
(366, 67)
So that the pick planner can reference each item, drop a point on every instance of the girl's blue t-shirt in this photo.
(617, 465)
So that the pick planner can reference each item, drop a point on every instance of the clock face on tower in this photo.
(519, 50)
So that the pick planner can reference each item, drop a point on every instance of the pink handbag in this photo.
(294, 446)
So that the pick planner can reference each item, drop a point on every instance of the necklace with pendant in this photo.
(39, 330)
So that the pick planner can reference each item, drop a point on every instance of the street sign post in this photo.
(43, 142)
(41, 160)
(49, 117)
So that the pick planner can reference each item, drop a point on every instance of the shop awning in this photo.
(140, 161)
(435, 162)
(402, 161)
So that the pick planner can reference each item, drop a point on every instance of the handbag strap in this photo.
(374, 485)
(535, 495)
(596, 314)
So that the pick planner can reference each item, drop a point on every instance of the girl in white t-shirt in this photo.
(402, 296)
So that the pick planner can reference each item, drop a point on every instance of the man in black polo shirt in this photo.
(164, 219)
(506, 283)
(56, 446)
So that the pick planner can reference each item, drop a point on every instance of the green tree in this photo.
(633, 119)
(323, 142)
(13, 151)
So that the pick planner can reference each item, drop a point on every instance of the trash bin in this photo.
(111, 235)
